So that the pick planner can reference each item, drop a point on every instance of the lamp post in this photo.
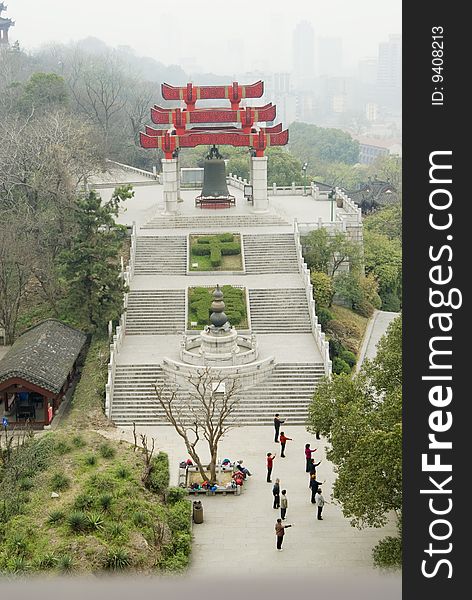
(304, 168)
(332, 196)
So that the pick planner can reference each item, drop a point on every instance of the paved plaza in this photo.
(238, 531)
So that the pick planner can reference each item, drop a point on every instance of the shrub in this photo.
(105, 501)
(95, 521)
(62, 447)
(116, 530)
(102, 482)
(83, 501)
(231, 249)
(107, 451)
(323, 290)
(17, 564)
(215, 255)
(47, 561)
(55, 517)
(174, 494)
(178, 516)
(78, 522)
(122, 472)
(65, 563)
(59, 482)
(324, 317)
(174, 563)
(182, 542)
(363, 308)
(335, 348)
(117, 560)
(139, 519)
(388, 553)
(91, 460)
(159, 478)
(348, 357)
(391, 302)
(25, 484)
(340, 366)
(78, 441)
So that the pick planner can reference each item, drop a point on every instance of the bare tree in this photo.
(202, 412)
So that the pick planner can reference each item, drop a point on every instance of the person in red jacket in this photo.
(283, 441)
(270, 464)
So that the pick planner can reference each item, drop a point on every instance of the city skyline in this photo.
(175, 35)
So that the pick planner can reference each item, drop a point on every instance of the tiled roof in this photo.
(43, 355)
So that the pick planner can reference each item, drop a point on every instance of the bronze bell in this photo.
(214, 178)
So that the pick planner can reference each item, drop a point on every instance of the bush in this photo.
(139, 519)
(65, 563)
(324, 317)
(323, 291)
(78, 522)
(102, 483)
(55, 517)
(91, 460)
(182, 542)
(178, 516)
(122, 472)
(78, 441)
(363, 308)
(107, 451)
(25, 484)
(116, 530)
(117, 560)
(215, 255)
(95, 521)
(62, 447)
(175, 494)
(83, 501)
(388, 553)
(59, 482)
(335, 348)
(105, 501)
(348, 357)
(48, 561)
(159, 478)
(231, 249)
(174, 563)
(390, 302)
(340, 366)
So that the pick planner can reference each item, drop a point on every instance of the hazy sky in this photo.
(223, 37)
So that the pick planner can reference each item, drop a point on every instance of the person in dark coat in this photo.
(277, 423)
(314, 485)
(276, 493)
(313, 466)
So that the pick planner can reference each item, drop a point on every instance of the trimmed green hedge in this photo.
(200, 299)
(216, 246)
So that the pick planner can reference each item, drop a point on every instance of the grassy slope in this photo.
(355, 323)
(137, 525)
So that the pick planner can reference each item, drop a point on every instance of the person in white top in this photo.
(320, 502)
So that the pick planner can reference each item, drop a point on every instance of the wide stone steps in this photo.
(155, 312)
(283, 310)
(288, 390)
(161, 255)
(210, 221)
(270, 253)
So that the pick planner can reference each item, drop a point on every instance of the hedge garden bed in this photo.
(218, 252)
(199, 303)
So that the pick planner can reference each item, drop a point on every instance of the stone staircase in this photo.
(275, 310)
(288, 390)
(209, 220)
(270, 253)
(155, 312)
(163, 255)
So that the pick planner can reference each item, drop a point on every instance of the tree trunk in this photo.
(213, 466)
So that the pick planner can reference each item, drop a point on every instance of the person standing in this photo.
(276, 493)
(320, 502)
(270, 464)
(283, 505)
(314, 485)
(283, 441)
(280, 532)
(313, 466)
(277, 423)
(308, 453)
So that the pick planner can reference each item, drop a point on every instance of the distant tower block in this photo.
(232, 126)
(5, 25)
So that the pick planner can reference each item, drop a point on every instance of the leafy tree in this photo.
(388, 168)
(359, 291)
(386, 221)
(326, 252)
(90, 266)
(319, 144)
(323, 291)
(361, 418)
(338, 174)
(283, 168)
(44, 92)
(383, 258)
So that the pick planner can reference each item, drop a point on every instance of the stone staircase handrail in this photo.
(148, 174)
(320, 338)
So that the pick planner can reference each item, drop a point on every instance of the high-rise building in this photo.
(330, 56)
(389, 74)
(303, 47)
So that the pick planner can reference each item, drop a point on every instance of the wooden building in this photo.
(37, 371)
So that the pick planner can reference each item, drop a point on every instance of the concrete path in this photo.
(238, 531)
(376, 328)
